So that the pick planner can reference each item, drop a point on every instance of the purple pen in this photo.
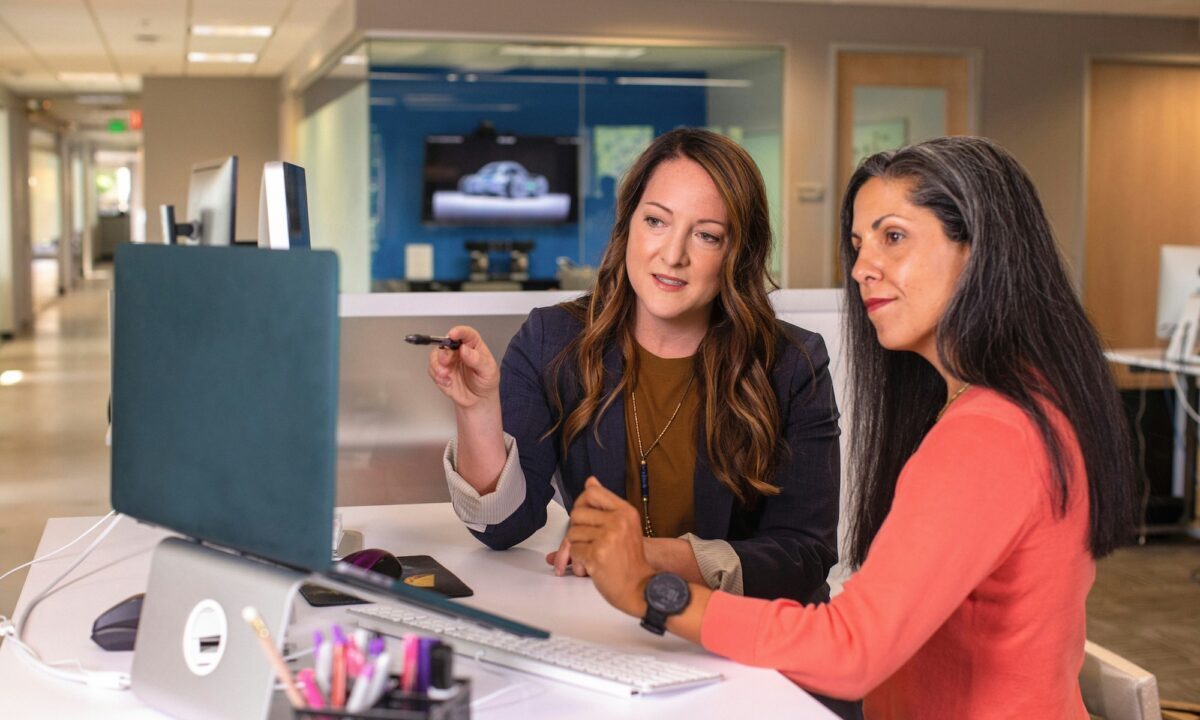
(376, 647)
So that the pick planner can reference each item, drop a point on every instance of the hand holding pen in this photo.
(469, 375)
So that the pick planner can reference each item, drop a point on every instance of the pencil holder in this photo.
(399, 705)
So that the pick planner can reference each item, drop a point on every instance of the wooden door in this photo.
(947, 76)
(1143, 190)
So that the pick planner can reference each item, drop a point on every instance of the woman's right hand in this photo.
(469, 375)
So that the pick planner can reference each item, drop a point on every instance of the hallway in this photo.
(53, 460)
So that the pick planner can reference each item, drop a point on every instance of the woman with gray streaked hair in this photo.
(989, 456)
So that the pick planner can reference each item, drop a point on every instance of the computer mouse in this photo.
(116, 627)
(376, 560)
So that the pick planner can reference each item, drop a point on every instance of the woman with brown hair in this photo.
(672, 382)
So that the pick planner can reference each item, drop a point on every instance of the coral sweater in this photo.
(971, 601)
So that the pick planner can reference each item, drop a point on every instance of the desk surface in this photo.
(1150, 359)
(516, 583)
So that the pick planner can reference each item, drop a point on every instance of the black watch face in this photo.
(668, 593)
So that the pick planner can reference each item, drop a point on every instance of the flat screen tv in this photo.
(500, 180)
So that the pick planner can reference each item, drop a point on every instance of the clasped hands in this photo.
(605, 541)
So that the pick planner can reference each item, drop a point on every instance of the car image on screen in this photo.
(504, 178)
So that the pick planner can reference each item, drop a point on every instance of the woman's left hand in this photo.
(606, 536)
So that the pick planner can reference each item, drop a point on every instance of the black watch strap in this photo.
(655, 621)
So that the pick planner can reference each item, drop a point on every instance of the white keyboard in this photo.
(558, 658)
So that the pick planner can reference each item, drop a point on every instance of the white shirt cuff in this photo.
(478, 511)
(719, 564)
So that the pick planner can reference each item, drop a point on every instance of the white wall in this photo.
(16, 284)
(187, 120)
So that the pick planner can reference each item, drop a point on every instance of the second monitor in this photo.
(211, 210)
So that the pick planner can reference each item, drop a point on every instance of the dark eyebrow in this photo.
(879, 221)
(669, 210)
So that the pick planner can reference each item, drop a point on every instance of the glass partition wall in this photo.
(494, 165)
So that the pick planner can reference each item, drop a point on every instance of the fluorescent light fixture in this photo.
(88, 77)
(11, 377)
(215, 57)
(573, 51)
(685, 82)
(257, 31)
(354, 59)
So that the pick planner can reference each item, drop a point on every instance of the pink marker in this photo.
(308, 688)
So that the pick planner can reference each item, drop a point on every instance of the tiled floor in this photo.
(53, 462)
(45, 282)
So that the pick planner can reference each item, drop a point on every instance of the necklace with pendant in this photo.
(643, 472)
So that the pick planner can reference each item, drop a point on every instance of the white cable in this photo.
(52, 553)
(1141, 461)
(1182, 395)
(15, 628)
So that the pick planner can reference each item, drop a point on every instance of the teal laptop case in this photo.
(224, 396)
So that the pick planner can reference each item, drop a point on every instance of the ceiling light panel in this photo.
(222, 57)
(232, 31)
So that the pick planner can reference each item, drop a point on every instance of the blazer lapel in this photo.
(608, 463)
(712, 501)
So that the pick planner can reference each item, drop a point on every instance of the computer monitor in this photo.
(1178, 279)
(212, 203)
(283, 207)
(1179, 301)
(224, 400)
(225, 406)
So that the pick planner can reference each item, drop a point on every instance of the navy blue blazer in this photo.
(786, 543)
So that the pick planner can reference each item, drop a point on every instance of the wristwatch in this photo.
(667, 594)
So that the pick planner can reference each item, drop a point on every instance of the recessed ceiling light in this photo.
(260, 31)
(587, 51)
(11, 377)
(207, 57)
(87, 77)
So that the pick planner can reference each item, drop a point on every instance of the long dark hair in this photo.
(1013, 325)
(735, 358)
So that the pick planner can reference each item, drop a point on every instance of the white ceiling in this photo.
(39, 39)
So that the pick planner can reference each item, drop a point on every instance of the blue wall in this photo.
(416, 102)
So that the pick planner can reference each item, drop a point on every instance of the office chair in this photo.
(1115, 689)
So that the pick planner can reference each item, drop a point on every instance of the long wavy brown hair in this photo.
(734, 361)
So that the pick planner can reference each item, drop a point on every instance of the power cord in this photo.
(1141, 461)
(15, 628)
(1181, 394)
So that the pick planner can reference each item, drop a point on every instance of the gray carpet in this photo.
(1145, 606)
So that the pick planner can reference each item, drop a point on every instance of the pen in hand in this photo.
(443, 342)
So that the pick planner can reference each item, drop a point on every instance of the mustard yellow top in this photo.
(660, 385)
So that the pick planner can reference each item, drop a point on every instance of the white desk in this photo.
(1183, 464)
(516, 583)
